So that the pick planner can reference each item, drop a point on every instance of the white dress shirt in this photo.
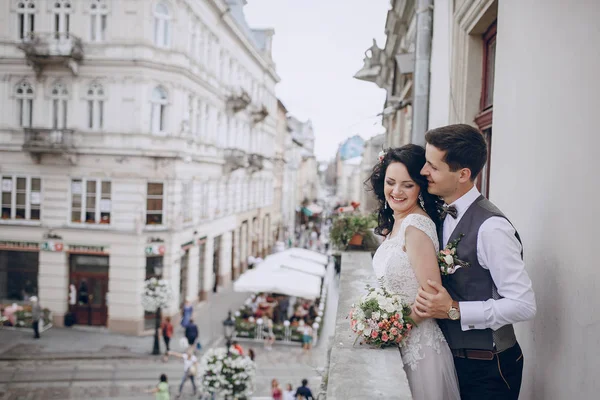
(498, 251)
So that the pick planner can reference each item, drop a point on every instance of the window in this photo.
(62, 11)
(162, 34)
(90, 201)
(485, 118)
(26, 18)
(155, 204)
(95, 106)
(59, 96)
(159, 104)
(98, 15)
(24, 94)
(187, 201)
(21, 197)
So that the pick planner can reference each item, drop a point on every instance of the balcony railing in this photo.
(238, 101)
(234, 159)
(43, 49)
(255, 162)
(41, 140)
(260, 115)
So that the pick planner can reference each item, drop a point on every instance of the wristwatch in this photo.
(454, 311)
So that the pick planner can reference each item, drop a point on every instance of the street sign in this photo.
(51, 246)
(155, 250)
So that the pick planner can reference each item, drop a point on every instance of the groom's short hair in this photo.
(464, 145)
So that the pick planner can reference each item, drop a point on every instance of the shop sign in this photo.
(202, 241)
(23, 246)
(51, 246)
(155, 250)
(85, 249)
(187, 245)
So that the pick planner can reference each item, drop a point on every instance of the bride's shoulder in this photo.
(418, 219)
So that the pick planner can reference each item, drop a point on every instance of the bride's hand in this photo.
(413, 315)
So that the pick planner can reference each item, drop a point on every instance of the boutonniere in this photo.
(447, 259)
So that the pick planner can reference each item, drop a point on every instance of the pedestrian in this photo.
(288, 393)
(167, 332)
(275, 390)
(237, 348)
(190, 365)
(191, 332)
(269, 335)
(186, 313)
(161, 391)
(251, 354)
(303, 392)
(307, 337)
(36, 315)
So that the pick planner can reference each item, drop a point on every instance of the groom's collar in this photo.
(463, 203)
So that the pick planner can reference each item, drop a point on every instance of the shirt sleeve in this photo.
(499, 251)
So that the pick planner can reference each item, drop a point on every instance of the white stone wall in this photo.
(544, 176)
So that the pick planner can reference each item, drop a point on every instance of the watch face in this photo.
(453, 314)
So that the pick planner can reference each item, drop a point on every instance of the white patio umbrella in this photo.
(285, 260)
(286, 281)
(306, 254)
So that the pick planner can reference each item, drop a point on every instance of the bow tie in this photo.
(448, 210)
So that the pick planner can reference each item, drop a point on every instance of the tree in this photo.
(157, 294)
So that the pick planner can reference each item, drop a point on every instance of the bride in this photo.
(406, 260)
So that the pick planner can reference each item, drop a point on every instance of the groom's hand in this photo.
(428, 305)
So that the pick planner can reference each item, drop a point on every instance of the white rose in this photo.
(367, 332)
(360, 326)
(375, 316)
(390, 308)
(385, 316)
(449, 259)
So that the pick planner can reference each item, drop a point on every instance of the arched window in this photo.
(62, 10)
(162, 30)
(26, 18)
(95, 98)
(24, 94)
(59, 96)
(98, 15)
(159, 104)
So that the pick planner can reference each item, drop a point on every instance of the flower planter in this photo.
(356, 240)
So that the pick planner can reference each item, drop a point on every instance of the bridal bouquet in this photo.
(380, 319)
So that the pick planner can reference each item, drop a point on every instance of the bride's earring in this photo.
(421, 201)
(385, 207)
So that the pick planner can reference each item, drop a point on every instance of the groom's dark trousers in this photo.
(482, 378)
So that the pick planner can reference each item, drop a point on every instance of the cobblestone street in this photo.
(92, 364)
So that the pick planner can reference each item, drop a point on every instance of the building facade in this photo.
(373, 146)
(137, 140)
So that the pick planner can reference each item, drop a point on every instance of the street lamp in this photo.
(228, 329)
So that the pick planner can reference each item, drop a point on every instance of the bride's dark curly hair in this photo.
(413, 158)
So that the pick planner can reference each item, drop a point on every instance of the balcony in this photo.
(238, 101)
(40, 141)
(255, 163)
(260, 115)
(355, 371)
(52, 49)
(234, 159)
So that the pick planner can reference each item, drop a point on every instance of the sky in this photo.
(318, 47)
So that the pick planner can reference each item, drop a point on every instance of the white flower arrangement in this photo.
(157, 294)
(230, 375)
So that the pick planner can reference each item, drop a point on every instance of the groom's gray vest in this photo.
(473, 283)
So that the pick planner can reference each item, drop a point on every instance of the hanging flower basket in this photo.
(227, 374)
(356, 240)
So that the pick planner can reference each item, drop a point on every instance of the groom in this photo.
(477, 304)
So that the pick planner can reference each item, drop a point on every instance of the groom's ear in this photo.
(464, 175)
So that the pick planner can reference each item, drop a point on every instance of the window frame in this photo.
(13, 199)
(62, 17)
(187, 201)
(162, 26)
(26, 19)
(95, 106)
(83, 205)
(98, 20)
(25, 103)
(59, 105)
(155, 212)
(159, 110)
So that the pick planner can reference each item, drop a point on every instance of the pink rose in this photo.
(446, 252)
(384, 337)
(397, 324)
(398, 339)
(408, 326)
(394, 331)
(374, 334)
(397, 316)
(380, 324)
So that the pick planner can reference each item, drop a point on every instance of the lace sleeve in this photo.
(422, 223)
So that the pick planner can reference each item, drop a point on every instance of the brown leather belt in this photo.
(485, 355)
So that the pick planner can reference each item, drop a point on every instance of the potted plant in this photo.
(352, 230)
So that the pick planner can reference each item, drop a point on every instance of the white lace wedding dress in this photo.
(427, 359)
